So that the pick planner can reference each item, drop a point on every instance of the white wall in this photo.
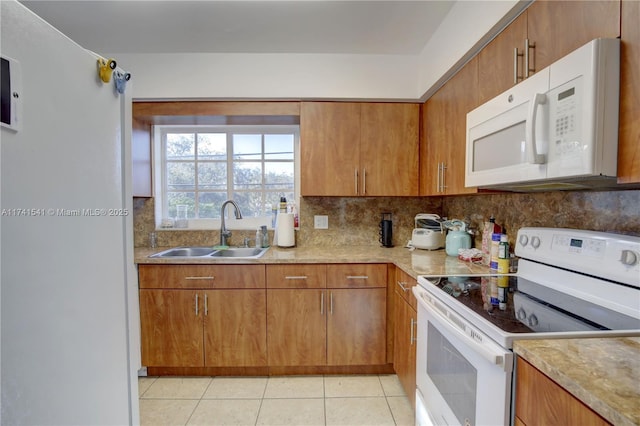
(313, 76)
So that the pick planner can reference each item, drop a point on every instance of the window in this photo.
(202, 166)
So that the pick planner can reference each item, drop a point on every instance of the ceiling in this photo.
(241, 26)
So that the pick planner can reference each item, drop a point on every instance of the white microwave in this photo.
(558, 129)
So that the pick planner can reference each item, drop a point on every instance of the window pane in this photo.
(181, 146)
(278, 175)
(250, 203)
(212, 146)
(278, 147)
(209, 204)
(181, 176)
(212, 176)
(175, 198)
(247, 147)
(247, 175)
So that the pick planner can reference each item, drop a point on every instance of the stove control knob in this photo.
(521, 314)
(523, 240)
(629, 258)
(535, 242)
(532, 320)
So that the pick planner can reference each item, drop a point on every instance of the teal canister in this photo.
(457, 238)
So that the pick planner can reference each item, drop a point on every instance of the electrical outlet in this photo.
(321, 222)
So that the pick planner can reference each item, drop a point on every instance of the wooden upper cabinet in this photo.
(560, 27)
(389, 149)
(494, 59)
(629, 133)
(359, 149)
(329, 148)
(444, 144)
(555, 28)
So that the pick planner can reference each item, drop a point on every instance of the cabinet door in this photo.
(171, 328)
(356, 326)
(389, 149)
(296, 327)
(433, 148)
(541, 401)
(560, 27)
(629, 137)
(404, 346)
(496, 60)
(235, 328)
(463, 98)
(329, 148)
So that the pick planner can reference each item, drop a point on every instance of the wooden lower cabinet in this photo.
(356, 326)
(196, 328)
(405, 334)
(340, 326)
(235, 328)
(541, 401)
(203, 315)
(297, 327)
(171, 331)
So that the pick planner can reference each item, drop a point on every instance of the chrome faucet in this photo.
(224, 233)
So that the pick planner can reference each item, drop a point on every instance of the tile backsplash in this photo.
(354, 221)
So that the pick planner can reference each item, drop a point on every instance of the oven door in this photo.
(463, 377)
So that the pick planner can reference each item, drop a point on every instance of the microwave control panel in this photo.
(566, 142)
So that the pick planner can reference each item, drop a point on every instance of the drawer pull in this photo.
(357, 277)
(296, 277)
(206, 305)
(199, 278)
(322, 303)
(402, 286)
(412, 339)
(196, 304)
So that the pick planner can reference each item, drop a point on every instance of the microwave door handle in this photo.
(530, 130)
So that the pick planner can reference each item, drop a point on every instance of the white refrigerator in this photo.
(69, 331)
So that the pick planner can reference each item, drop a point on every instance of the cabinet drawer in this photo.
(296, 276)
(356, 275)
(201, 276)
(403, 285)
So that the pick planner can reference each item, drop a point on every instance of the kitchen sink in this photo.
(208, 252)
(185, 252)
(240, 252)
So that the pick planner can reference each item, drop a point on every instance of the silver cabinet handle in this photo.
(528, 46)
(516, 55)
(196, 298)
(364, 181)
(331, 303)
(444, 184)
(206, 304)
(438, 179)
(296, 277)
(401, 284)
(199, 278)
(357, 277)
(322, 303)
(412, 339)
(356, 179)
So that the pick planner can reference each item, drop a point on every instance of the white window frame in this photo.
(160, 184)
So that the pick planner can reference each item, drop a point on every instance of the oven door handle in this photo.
(499, 357)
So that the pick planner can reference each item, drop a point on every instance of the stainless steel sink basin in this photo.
(185, 252)
(209, 252)
(240, 252)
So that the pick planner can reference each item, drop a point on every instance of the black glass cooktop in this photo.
(490, 297)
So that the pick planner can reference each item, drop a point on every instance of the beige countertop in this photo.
(602, 373)
(413, 262)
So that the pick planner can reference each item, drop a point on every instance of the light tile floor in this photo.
(291, 400)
